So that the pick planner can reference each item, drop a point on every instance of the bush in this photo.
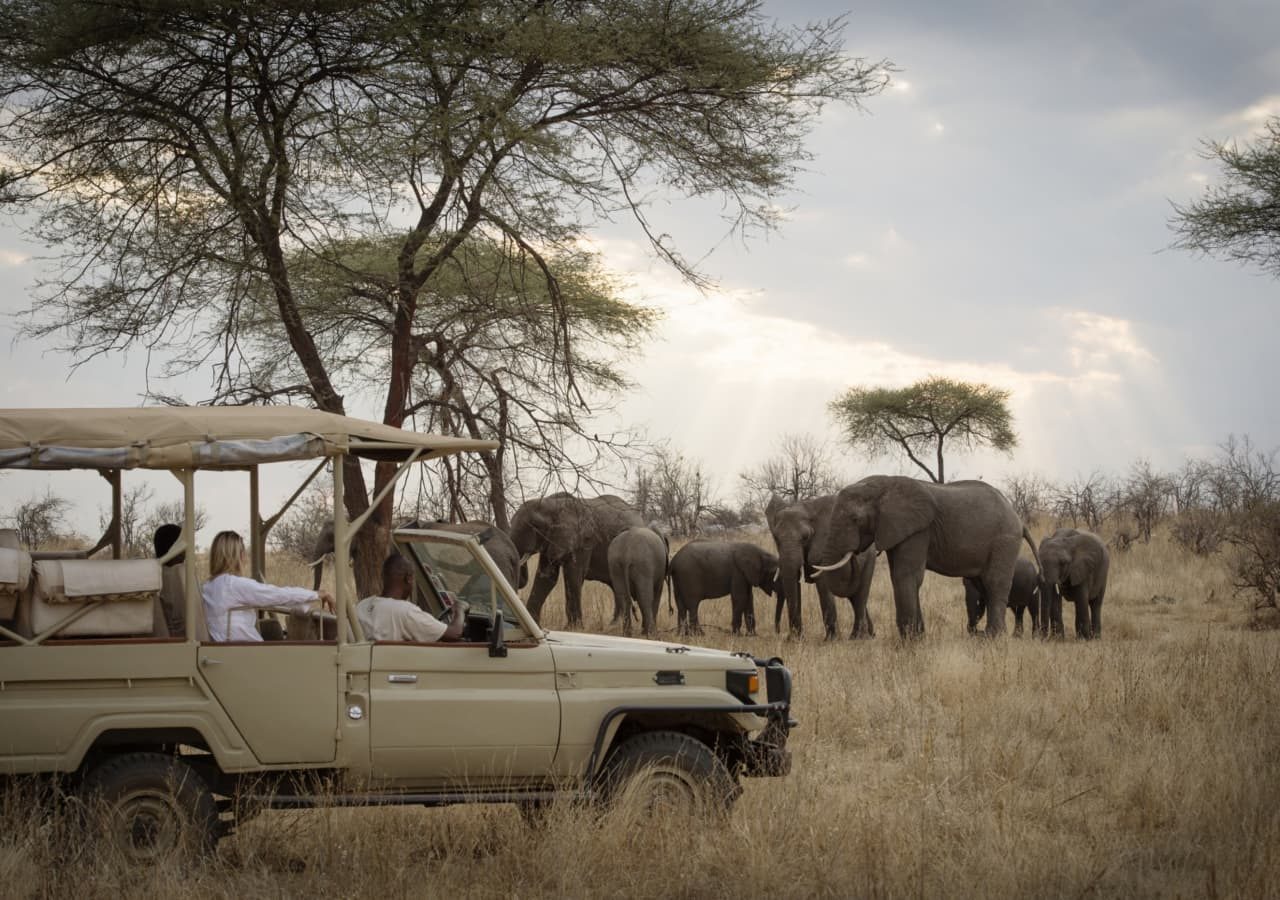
(1254, 536)
(1198, 530)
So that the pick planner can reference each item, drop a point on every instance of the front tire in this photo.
(149, 806)
(668, 772)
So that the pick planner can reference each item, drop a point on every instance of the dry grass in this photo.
(1142, 765)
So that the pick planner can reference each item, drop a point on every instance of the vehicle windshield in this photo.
(453, 567)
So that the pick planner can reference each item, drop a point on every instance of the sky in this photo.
(999, 214)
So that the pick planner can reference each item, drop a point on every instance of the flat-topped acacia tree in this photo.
(175, 154)
(923, 419)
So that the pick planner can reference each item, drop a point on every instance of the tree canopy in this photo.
(485, 366)
(1238, 219)
(181, 154)
(925, 418)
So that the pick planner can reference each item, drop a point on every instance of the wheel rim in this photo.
(145, 825)
(662, 791)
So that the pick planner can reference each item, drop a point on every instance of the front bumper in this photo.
(767, 756)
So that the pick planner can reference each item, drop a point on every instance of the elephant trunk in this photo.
(790, 571)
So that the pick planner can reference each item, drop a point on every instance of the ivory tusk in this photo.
(835, 565)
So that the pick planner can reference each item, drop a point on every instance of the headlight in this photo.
(743, 685)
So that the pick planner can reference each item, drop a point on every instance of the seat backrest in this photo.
(15, 579)
(122, 592)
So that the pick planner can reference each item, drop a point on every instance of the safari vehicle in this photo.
(170, 737)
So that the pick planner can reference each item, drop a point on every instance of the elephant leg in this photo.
(750, 613)
(1017, 620)
(644, 596)
(997, 581)
(1053, 613)
(975, 603)
(1095, 608)
(743, 610)
(682, 611)
(906, 572)
(827, 604)
(544, 581)
(736, 613)
(694, 626)
(1078, 598)
(574, 574)
(777, 613)
(862, 626)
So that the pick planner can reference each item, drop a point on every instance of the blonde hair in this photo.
(226, 554)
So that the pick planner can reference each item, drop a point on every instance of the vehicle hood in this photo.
(609, 652)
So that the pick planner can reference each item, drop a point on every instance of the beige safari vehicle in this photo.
(170, 738)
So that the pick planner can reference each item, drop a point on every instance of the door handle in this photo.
(403, 679)
(206, 661)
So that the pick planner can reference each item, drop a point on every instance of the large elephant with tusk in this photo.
(965, 529)
(571, 534)
(797, 529)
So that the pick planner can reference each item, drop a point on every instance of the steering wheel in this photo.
(460, 607)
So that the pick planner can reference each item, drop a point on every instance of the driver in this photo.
(393, 617)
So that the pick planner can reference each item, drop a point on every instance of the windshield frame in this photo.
(471, 542)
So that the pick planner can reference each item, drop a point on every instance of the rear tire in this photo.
(669, 772)
(146, 807)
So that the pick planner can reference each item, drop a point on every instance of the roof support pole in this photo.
(187, 540)
(117, 511)
(257, 552)
(343, 582)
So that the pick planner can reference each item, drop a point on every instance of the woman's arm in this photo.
(255, 593)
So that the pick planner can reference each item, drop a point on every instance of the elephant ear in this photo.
(1078, 568)
(748, 562)
(905, 508)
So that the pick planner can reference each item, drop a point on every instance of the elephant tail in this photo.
(1026, 536)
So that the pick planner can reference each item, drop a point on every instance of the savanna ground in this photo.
(1145, 764)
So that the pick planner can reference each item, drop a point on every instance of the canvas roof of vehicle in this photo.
(168, 437)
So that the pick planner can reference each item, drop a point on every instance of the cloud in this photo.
(1103, 344)
(13, 258)
(890, 246)
(1256, 114)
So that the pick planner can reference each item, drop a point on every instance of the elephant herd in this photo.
(964, 529)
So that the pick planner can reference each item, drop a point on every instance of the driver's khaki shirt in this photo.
(389, 619)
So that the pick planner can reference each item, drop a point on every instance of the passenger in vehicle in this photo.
(393, 617)
(173, 583)
(227, 589)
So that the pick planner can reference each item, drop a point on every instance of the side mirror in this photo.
(497, 647)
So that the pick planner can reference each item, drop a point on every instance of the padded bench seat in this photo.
(124, 591)
(15, 579)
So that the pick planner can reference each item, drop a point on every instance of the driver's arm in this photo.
(457, 619)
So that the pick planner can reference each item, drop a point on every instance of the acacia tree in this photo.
(926, 418)
(180, 153)
(1238, 219)
(486, 365)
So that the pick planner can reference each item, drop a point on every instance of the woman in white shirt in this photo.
(227, 590)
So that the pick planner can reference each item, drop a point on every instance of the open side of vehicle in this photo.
(170, 738)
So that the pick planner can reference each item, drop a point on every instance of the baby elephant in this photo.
(1023, 596)
(703, 570)
(1074, 564)
(637, 568)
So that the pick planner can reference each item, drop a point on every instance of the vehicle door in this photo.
(450, 713)
(283, 696)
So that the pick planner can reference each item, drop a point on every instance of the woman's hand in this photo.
(326, 601)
